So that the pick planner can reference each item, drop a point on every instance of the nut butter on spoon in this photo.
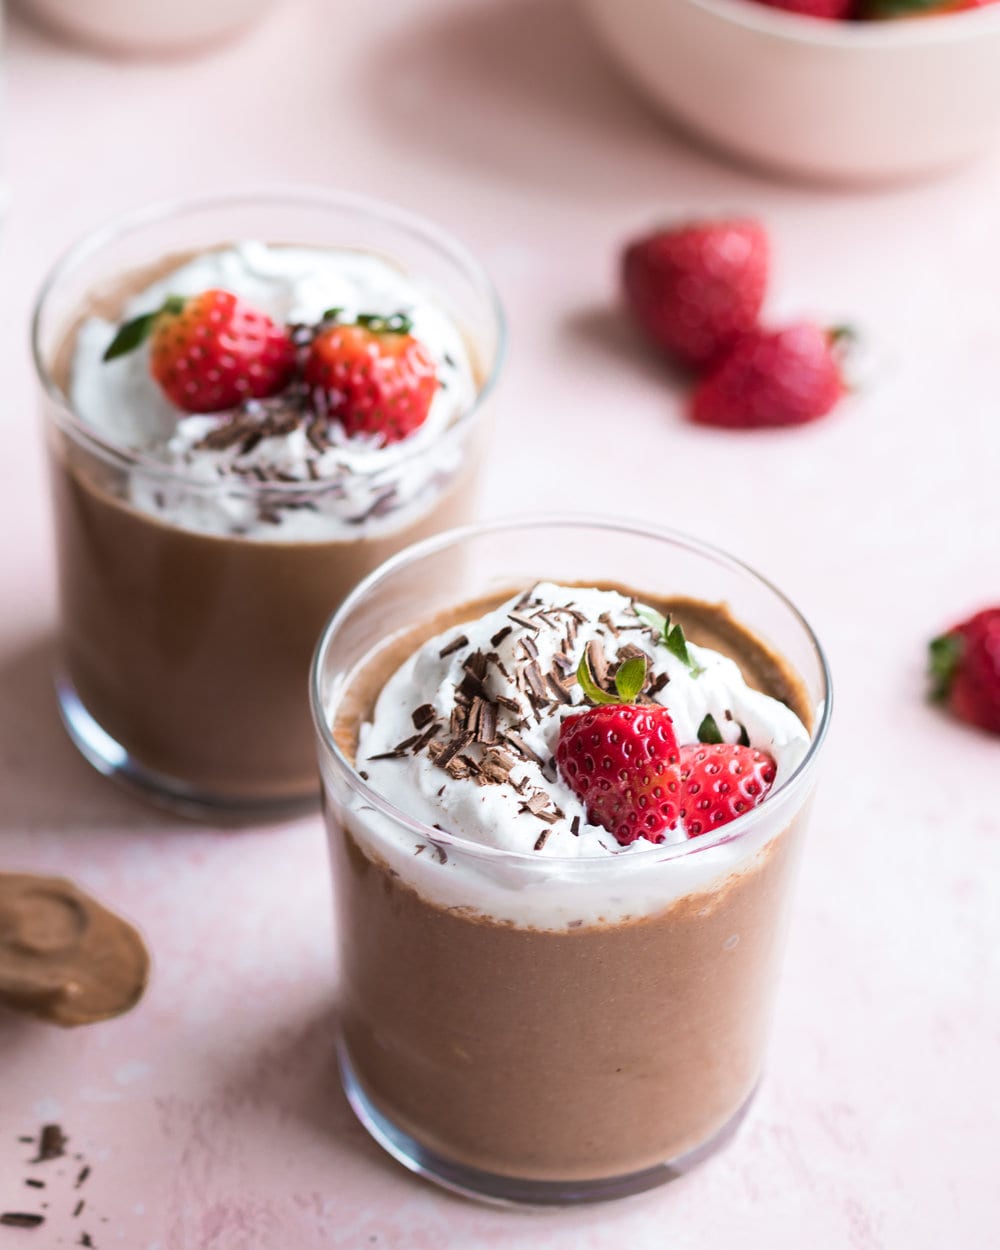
(64, 957)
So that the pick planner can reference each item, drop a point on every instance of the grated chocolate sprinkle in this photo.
(456, 644)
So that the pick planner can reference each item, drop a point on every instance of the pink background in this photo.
(211, 1115)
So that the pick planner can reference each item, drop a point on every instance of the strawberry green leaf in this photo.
(945, 657)
(130, 335)
(744, 739)
(630, 678)
(708, 730)
(672, 636)
(590, 687)
(395, 323)
(649, 616)
(332, 314)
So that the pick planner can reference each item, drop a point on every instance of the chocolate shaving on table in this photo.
(456, 644)
(34, 1183)
(84, 1173)
(78, 1208)
(21, 1219)
(51, 1143)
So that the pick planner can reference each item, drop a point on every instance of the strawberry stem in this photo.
(708, 730)
(945, 657)
(134, 332)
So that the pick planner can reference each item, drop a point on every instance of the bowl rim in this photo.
(940, 28)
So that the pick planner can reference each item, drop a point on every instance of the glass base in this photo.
(508, 1190)
(111, 759)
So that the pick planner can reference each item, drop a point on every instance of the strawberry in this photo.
(830, 10)
(373, 376)
(696, 288)
(211, 351)
(720, 781)
(965, 666)
(772, 378)
(621, 760)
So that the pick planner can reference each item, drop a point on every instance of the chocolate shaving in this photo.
(21, 1219)
(456, 644)
(444, 757)
(477, 664)
(35, 1184)
(51, 1144)
(555, 681)
(496, 766)
(510, 704)
(402, 747)
(486, 731)
(425, 737)
(542, 838)
(608, 623)
(574, 826)
(520, 746)
(500, 635)
(659, 683)
(524, 621)
(631, 652)
(536, 682)
(78, 1208)
(597, 661)
(423, 716)
(529, 647)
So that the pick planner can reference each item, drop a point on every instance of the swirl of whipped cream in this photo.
(371, 488)
(546, 630)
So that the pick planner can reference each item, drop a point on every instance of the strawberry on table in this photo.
(719, 782)
(373, 376)
(772, 378)
(210, 352)
(965, 667)
(831, 10)
(695, 288)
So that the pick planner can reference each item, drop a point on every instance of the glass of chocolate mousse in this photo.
(250, 403)
(566, 766)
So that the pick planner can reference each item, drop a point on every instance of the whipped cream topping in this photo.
(366, 488)
(518, 658)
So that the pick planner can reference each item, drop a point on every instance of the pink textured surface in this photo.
(211, 1116)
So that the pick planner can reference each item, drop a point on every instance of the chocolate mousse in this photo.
(585, 1018)
(64, 957)
(200, 553)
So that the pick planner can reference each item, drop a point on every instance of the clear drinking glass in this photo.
(185, 648)
(528, 1029)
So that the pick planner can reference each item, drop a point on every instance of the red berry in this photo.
(373, 377)
(831, 10)
(216, 351)
(965, 663)
(720, 781)
(772, 378)
(695, 289)
(621, 761)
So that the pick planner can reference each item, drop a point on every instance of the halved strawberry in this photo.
(373, 376)
(720, 781)
(210, 351)
(621, 761)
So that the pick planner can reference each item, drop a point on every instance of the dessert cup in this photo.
(524, 1028)
(187, 629)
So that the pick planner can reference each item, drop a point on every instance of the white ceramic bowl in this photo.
(146, 26)
(833, 100)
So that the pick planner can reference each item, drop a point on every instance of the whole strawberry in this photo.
(696, 288)
(965, 667)
(772, 378)
(210, 351)
(719, 782)
(621, 761)
(373, 376)
(830, 10)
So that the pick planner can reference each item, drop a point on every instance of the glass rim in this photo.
(95, 240)
(412, 555)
